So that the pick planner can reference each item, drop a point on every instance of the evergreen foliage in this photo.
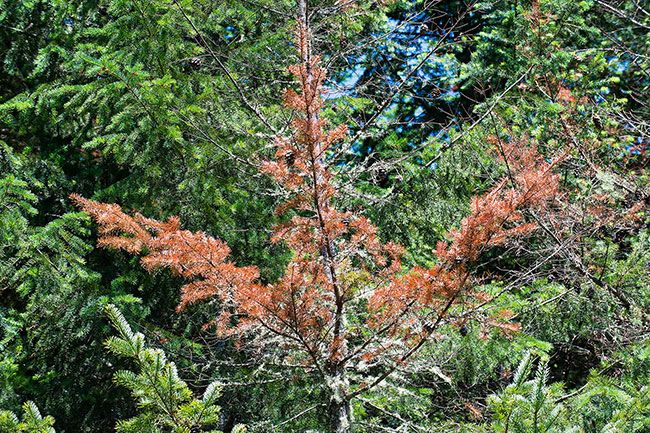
(600, 406)
(172, 108)
(164, 401)
(31, 421)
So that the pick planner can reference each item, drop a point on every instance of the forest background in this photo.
(172, 107)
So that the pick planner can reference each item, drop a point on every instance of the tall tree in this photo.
(344, 304)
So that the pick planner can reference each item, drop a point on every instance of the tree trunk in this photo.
(339, 410)
(340, 415)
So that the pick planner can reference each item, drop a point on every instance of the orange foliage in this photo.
(495, 218)
(340, 268)
(194, 256)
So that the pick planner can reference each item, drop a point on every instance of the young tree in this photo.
(165, 401)
(344, 309)
(535, 405)
(32, 421)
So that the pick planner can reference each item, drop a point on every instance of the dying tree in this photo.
(345, 304)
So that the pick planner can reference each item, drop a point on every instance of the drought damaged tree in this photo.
(345, 310)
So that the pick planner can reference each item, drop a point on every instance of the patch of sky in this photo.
(450, 95)
(357, 149)
(617, 65)
(347, 82)
(641, 146)
(68, 22)
(230, 33)
(407, 44)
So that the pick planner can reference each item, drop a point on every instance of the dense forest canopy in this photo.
(324, 216)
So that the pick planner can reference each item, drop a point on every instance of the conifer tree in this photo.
(165, 402)
(31, 422)
(50, 335)
(344, 305)
(168, 108)
(533, 404)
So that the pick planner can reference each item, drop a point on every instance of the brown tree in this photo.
(344, 303)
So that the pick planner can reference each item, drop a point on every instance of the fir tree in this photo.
(165, 402)
(31, 422)
(340, 270)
